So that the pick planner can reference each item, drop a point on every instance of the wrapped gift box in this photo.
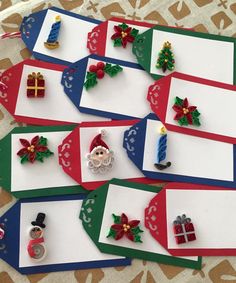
(35, 85)
(183, 230)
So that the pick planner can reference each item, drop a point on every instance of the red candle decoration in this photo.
(98, 72)
(124, 34)
(183, 230)
(186, 115)
(123, 227)
(35, 150)
(35, 85)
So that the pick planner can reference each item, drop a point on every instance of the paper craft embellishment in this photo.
(98, 71)
(36, 248)
(2, 232)
(35, 85)
(52, 42)
(35, 150)
(123, 227)
(183, 230)
(166, 58)
(100, 158)
(186, 115)
(124, 34)
(161, 150)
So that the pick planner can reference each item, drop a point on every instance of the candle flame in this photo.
(163, 130)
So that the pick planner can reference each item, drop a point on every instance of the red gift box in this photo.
(183, 230)
(35, 85)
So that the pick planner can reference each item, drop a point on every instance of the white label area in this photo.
(123, 167)
(132, 202)
(39, 175)
(200, 57)
(211, 212)
(216, 105)
(190, 156)
(124, 94)
(72, 37)
(119, 52)
(65, 239)
(54, 106)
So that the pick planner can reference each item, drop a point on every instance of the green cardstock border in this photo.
(5, 166)
(144, 41)
(94, 231)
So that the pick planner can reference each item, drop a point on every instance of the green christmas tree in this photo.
(166, 58)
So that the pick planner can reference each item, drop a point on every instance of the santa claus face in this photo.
(100, 159)
(36, 232)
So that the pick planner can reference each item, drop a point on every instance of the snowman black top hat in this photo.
(39, 220)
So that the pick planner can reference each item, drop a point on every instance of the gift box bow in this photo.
(36, 76)
(184, 227)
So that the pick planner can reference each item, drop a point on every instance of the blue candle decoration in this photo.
(52, 42)
(161, 150)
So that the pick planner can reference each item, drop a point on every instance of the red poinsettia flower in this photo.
(124, 34)
(31, 148)
(184, 110)
(125, 228)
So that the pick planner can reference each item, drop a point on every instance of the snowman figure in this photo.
(36, 248)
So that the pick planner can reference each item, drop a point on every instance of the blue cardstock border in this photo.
(12, 238)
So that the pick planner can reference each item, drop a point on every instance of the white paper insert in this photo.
(190, 156)
(211, 212)
(72, 37)
(200, 57)
(120, 53)
(123, 94)
(65, 239)
(216, 105)
(120, 200)
(48, 174)
(123, 167)
(54, 106)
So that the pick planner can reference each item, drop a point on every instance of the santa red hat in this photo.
(97, 141)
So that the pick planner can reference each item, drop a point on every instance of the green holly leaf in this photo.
(123, 26)
(195, 113)
(112, 70)
(183, 121)
(134, 32)
(136, 230)
(39, 156)
(24, 158)
(47, 153)
(43, 141)
(137, 239)
(91, 80)
(116, 219)
(178, 101)
(196, 121)
(112, 233)
(117, 42)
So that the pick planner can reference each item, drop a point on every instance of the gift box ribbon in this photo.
(37, 77)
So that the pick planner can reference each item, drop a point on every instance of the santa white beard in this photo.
(100, 166)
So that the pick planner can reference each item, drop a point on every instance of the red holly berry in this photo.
(93, 68)
(100, 65)
(100, 74)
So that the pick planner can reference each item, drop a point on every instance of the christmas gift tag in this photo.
(46, 235)
(160, 50)
(116, 223)
(97, 85)
(180, 158)
(29, 164)
(32, 93)
(93, 153)
(193, 220)
(195, 106)
(114, 38)
(56, 35)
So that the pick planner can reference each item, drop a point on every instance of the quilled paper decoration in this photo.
(100, 159)
(2, 232)
(36, 248)
(35, 85)
(166, 58)
(161, 150)
(52, 42)
(98, 71)
(124, 34)
(186, 115)
(183, 230)
(123, 227)
(35, 150)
